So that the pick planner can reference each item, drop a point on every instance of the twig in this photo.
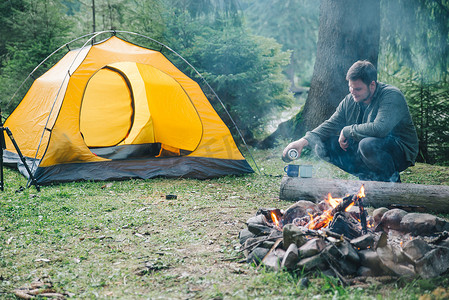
(335, 235)
(364, 279)
(440, 237)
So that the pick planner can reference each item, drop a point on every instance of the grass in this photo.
(124, 240)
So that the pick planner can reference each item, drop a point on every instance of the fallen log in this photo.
(429, 198)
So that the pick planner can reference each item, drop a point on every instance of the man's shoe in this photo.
(396, 177)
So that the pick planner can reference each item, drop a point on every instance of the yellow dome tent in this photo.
(115, 110)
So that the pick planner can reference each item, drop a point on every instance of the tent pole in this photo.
(32, 179)
(3, 147)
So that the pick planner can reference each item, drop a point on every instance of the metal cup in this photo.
(305, 171)
(292, 170)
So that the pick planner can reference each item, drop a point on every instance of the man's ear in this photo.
(372, 86)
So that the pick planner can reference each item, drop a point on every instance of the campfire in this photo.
(339, 237)
(330, 209)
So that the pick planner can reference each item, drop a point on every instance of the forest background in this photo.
(257, 55)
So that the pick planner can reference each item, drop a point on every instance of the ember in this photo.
(339, 235)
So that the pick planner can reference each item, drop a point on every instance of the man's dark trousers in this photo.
(378, 159)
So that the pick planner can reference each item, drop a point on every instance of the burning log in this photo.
(325, 218)
(363, 217)
(339, 206)
(346, 226)
(381, 194)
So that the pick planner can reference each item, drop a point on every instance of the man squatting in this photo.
(371, 134)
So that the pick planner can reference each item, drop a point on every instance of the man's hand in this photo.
(343, 141)
(298, 145)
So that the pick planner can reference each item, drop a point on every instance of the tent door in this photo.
(107, 108)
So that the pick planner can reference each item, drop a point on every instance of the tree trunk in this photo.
(349, 31)
(419, 197)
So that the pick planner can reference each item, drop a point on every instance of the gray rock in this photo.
(329, 273)
(312, 263)
(419, 224)
(259, 230)
(390, 259)
(444, 243)
(349, 252)
(401, 257)
(323, 205)
(304, 282)
(298, 210)
(291, 257)
(253, 240)
(267, 244)
(382, 241)
(257, 255)
(442, 225)
(404, 270)
(252, 243)
(244, 235)
(378, 214)
(363, 242)
(434, 263)
(370, 260)
(272, 260)
(391, 219)
(312, 247)
(416, 249)
(305, 205)
(365, 271)
(342, 258)
(293, 234)
(259, 219)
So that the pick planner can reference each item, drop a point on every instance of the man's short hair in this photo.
(363, 70)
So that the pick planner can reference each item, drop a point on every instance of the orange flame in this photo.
(349, 207)
(333, 201)
(275, 219)
(325, 218)
(311, 218)
(361, 193)
(321, 221)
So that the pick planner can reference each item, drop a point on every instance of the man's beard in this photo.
(367, 97)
